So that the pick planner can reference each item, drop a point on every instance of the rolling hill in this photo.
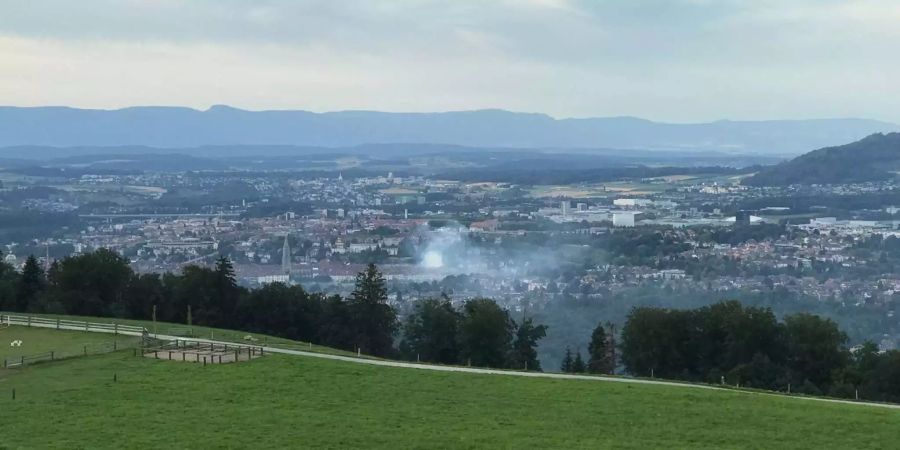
(870, 159)
(223, 125)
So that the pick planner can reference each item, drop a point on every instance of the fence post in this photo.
(115, 328)
(22, 362)
(29, 321)
(51, 356)
(57, 323)
(170, 355)
(115, 345)
(183, 356)
(204, 361)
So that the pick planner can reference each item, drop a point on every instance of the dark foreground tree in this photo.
(578, 365)
(566, 366)
(599, 354)
(431, 332)
(485, 333)
(31, 285)
(374, 321)
(524, 352)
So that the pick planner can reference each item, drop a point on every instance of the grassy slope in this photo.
(62, 343)
(281, 401)
(202, 332)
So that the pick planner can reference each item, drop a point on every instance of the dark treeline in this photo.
(750, 347)
(480, 333)
(102, 284)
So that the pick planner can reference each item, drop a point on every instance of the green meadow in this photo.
(117, 400)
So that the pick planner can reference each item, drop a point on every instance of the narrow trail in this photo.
(440, 368)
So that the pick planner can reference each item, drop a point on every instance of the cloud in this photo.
(678, 60)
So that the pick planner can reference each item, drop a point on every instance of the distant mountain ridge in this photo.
(222, 125)
(873, 158)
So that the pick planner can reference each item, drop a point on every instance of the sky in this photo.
(666, 60)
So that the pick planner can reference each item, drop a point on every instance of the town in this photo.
(530, 247)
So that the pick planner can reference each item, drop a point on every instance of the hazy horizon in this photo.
(685, 61)
(451, 111)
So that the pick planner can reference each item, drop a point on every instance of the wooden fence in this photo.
(91, 349)
(76, 325)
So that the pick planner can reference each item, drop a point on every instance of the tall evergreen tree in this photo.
(375, 322)
(598, 352)
(227, 291)
(578, 365)
(566, 366)
(31, 285)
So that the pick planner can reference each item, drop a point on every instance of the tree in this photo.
(485, 333)
(431, 332)
(599, 352)
(9, 281)
(578, 365)
(815, 349)
(524, 351)
(92, 284)
(31, 284)
(657, 340)
(336, 328)
(566, 366)
(227, 291)
(374, 321)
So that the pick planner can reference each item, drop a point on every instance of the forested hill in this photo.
(870, 159)
(166, 127)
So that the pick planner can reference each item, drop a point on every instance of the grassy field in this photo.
(282, 401)
(62, 343)
(176, 329)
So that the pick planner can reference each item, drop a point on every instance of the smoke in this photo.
(447, 250)
(433, 259)
(454, 250)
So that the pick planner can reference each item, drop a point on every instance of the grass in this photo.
(203, 332)
(62, 343)
(281, 401)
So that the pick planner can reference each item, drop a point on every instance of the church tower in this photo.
(286, 256)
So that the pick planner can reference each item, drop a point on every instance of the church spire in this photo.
(286, 256)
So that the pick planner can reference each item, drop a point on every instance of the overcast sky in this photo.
(670, 60)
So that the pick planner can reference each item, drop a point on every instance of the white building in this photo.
(631, 202)
(623, 218)
(286, 279)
